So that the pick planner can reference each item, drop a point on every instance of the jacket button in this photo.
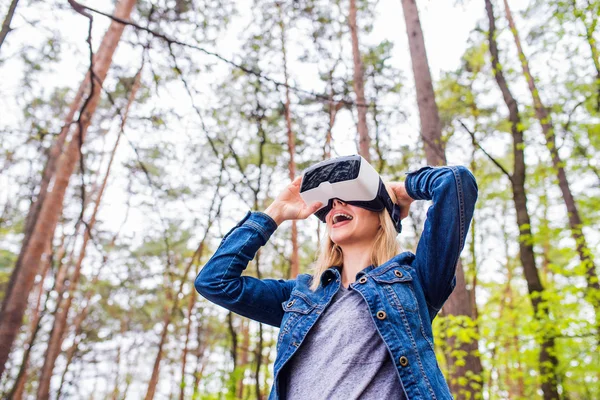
(362, 280)
(403, 361)
(291, 303)
(398, 273)
(381, 314)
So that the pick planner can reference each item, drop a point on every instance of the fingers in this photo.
(308, 210)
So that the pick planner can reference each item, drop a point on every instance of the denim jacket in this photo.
(403, 295)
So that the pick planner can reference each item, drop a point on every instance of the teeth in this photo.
(337, 215)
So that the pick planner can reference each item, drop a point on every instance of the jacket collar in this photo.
(330, 274)
(335, 271)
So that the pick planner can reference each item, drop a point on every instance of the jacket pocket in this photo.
(398, 282)
(298, 303)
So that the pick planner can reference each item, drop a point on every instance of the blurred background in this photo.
(134, 135)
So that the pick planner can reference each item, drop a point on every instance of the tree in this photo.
(465, 369)
(364, 141)
(291, 139)
(7, 20)
(575, 223)
(547, 357)
(22, 279)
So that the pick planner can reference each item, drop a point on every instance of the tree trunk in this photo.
(589, 35)
(47, 175)
(156, 369)
(243, 356)
(364, 141)
(197, 258)
(19, 386)
(547, 357)
(15, 302)
(465, 370)
(7, 20)
(295, 263)
(78, 323)
(188, 328)
(258, 357)
(575, 223)
(60, 322)
(201, 334)
(431, 127)
(461, 301)
(169, 312)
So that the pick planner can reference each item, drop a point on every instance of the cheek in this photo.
(374, 222)
(370, 223)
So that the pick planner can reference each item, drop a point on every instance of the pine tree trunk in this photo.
(19, 386)
(156, 369)
(47, 175)
(258, 357)
(60, 322)
(188, 328)
(7, 20)
(575, 223)
(78, 323)
(195, 260)
(201, 335)
(461, 301)
(431, 127)
(168, 315)
(243, 356)
(15, 302)
(590, 31)
(364, 141)
(295, 263)
(547, 357)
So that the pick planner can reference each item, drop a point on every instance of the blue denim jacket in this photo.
(403, 295)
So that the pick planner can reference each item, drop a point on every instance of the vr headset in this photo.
(350, 179)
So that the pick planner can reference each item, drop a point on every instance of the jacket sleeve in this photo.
(221, 280)
(453, 191)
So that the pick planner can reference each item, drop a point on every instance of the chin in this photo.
(341, 238)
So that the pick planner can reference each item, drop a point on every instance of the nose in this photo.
(338, 201)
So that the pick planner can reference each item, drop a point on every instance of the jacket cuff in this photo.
(261, 222)
(411, 185)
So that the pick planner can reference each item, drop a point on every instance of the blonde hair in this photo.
(385, 246)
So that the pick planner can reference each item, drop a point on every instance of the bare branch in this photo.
(260, 75)
(485, 152)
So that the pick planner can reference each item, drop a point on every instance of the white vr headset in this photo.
(351, 179)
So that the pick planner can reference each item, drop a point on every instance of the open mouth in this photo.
(341, 219)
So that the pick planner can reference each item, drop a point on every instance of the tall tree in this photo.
(465, 367)
(431, 127)
(364, 141)
(171, 311)
(22, 280)
(64, 304)
(547, 356)
(291, 139)
(575, 222)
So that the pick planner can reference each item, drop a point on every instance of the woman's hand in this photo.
(402, 198)
(289, 204)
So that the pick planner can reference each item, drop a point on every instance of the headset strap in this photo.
(393, 208)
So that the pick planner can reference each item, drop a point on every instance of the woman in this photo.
(360, 325)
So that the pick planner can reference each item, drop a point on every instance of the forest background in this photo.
(135, 134)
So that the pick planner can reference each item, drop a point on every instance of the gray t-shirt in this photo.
(343, 356)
